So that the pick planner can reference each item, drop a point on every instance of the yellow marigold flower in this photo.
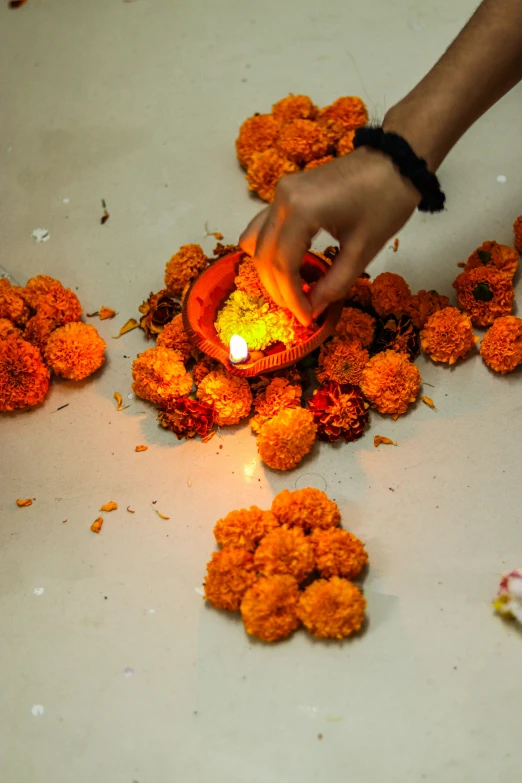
(279, 394)
(265, 170)
(356, 323)
(390, 382)
(501, 347)
(174, 336)
(390, 294)
(448, 336)
(229, 394)
(75, 351)
(269, 608)
(24, 378)
(307, 508)
(332, 609)
(256, 134)
(183, 267)
(342, 360)
(230, 573)
(244, 528)
(160, 375)
(285, 551)
(338, 553)
(287, 438)
(294, 107)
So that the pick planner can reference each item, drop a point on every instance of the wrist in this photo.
(421, 129)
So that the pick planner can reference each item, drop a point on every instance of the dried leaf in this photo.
(141, 448)
(23, 503)
(461, 264)
(110, 506)
(104, 218)
(130, 510)
(106, 312)
(209, 436)
(429, 402)
(119, 400)
(97, 525)
(378, 439)
(64, 521)
(127, 327)
(162, 516)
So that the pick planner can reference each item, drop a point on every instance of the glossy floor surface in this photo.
(111, 667)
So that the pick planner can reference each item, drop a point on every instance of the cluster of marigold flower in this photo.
(297, 135)
(41, 333)
(293, 564)
(369, 363)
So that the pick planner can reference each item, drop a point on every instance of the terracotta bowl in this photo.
(208, 294)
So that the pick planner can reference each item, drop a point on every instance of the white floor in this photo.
(138, 103)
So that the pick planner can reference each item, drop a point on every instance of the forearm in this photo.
(481, 65)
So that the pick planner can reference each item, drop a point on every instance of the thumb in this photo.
(342, 274)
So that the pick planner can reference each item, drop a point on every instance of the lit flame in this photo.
(238, 349)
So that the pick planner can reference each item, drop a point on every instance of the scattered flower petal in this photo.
(127, 327)
(23, 503)
(130, 510)
(378, 439)
(97, 525)
(119, 402)
(141, 448)
(110, 506)
(161, 516)
(429, 402)
(106, 312)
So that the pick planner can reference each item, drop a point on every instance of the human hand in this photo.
(360, 199)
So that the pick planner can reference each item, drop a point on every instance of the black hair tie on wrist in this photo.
(409, 164)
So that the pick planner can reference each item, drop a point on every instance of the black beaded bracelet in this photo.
(409, 164)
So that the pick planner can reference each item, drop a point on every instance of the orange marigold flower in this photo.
(334, 130)
(13, 305)
(491, 254)
(350, 111)
(187, 418)
(158, 311)
(342, 360)
(345, 143)
(60, 305)
(229, 394)
(423, 304)
(230, 573)
(501, 347)
(390, 294)
(447, 335)
(517, 228)
(37, 287)
(484, 294)
(75, 351)
(160, 375)
(286, 550)
(202, 368)
(183, 267)
(24, 378)
(284, 440)
(338, 553)
(307, 508)
(361, 292)
(317, 163)
(355, 323)
(294, 107)
(38, 329)
(7, 327)
(244, 528)
(390, 382)
(339, 412)
(256, 134)
(174, 336)
(248, 280)
(269, 608)
(302, 141)
(279, 394)
(265, 171)
(332, 609)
